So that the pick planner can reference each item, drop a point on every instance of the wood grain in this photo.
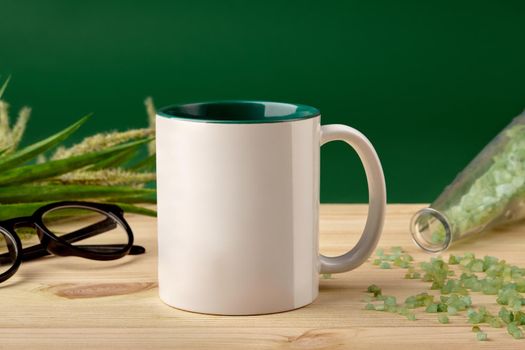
(65, 303)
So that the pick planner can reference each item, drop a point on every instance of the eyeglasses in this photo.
(88, 230)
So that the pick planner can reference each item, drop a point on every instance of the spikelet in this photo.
(41, 159)
(20, 126)
(10, 137)
(108, 177)
(5, 139)
(101, 141)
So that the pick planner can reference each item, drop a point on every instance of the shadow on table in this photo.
(81, 264)
(327, 286)
(13, 281)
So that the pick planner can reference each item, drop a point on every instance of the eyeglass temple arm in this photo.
(105, 225)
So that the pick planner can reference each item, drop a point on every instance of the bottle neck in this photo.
(431, 230)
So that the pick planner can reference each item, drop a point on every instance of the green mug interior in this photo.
(239, 112)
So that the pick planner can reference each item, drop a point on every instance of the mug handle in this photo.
(376, 194)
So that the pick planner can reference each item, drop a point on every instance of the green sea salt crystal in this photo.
(380, 307)
(484, 313)
(442, 307)
(517, 334)
(390, 301)
(419, 300)
(473, 316)
(488, 196)
(412, 275)
(402, 310)
(396, 250)
(402, 263)
(489, 275)
(389, 258)
(495, 322)
(515, 305)
(519, 317)
(466, 300)
(467, 259)
(432, 308)
(481, 336)
(374, 289)
(514, 330)
(489, 261)
(436, 272)
(443, 319)
(396, 257)
(508, 295)
(454, 286)
(476, 266)
(471, 281)
(505, 315)
(491, 286)
(452, 311)
(453, 260)
(519, 282)
(370, 306)
(391, 308)
(456, 302)
(385, 265)
(438, 236)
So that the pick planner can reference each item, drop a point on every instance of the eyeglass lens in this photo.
(8, 251)
(86, 228)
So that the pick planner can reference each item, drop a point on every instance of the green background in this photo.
(429, 82)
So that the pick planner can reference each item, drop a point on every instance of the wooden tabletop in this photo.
(72, 303)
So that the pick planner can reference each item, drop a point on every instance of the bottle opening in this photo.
(430, 230)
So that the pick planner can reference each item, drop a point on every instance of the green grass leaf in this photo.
(3, 150)
(54, 168)
(37, 193)
(135, 198)
(31, 151)
(10, 211)
(129, 208)
(147, 163)
(4, 86)
(117, 160)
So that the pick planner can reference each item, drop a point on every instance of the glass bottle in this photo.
(490, 191)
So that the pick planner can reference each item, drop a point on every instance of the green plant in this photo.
(106, 167)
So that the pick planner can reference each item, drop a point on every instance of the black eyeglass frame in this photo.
(61, 245)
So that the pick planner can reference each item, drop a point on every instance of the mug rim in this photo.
(272, 112)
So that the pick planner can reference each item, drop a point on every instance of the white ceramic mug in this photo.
(238, 205)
